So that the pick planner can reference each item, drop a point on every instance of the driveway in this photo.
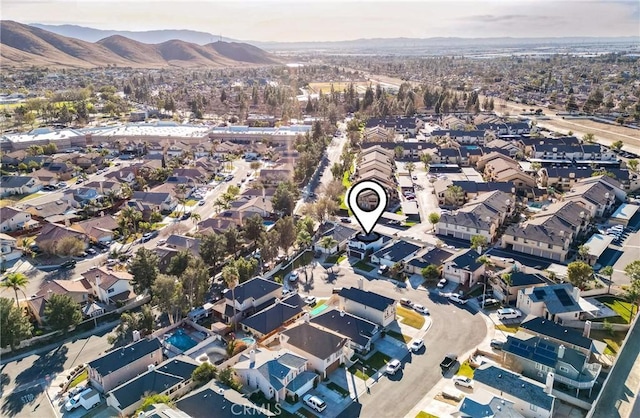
(391, 347)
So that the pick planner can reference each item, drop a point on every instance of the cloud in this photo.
(505, 18)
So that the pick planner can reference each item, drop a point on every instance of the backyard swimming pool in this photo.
(181, 340)
(248, 341)
(318, 309)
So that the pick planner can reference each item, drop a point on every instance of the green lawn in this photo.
(336, 258)
(345, 179)
(361, 265)
(400, 337)
(620, 307)
(32, 196)
(409, 224)
(191, 202)
(338, 389)
(357, 372)
(613, 340)
(423, 414)
(377, 361)
(81, 378)
(466, 370)
(410, 318)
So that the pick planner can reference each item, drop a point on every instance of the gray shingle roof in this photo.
(202, 404)
(397, 251)
(314, 341)
(514, 385)
(273, 317)
(254, 288)
(10, 182)
(117, 359)
(370, 299)
(541, 326)
(356, 329)
(466, 260)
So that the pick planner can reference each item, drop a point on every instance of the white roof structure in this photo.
(597, 244)
(42, 134)
(160, 129)
(625, 212)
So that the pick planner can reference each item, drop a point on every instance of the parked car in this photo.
(393, 366)
(442, 283)
(459, 380)
(293, 277)
(310, 300)
(91, 251)
(406, 302)
(69, 264)
(314, 402)
(454, 297)
(508, 313)
(336, 290)
(497, 344)
(416, 345)
(421, 309)
(201, 203)
(449, 360)
(345, 220)
(383, 269)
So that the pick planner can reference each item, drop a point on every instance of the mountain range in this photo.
(25, 46)
(447, 45)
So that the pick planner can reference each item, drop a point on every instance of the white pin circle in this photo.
(367, 218)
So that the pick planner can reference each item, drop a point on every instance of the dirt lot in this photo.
(337, 86)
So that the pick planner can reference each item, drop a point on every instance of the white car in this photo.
(420, 308)
(294, 276)
(314, 402)
(310, 300)
(393, 366)
(509, 313)
(416, 345)
(454, 297)
(459, 380)
(442, 283)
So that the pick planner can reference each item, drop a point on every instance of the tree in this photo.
(151, 399)
(213, 248)
(506, 279)
(147, 318)
(633, 164)
(583, 252)
(434, 218)
(168, 295)
(453, 195)
(398, 152)
(69, 246)
(617, 145)
(431, 272)
(268, 245)
(284, 198)
(336, 171)
(327, 242)
(15, 281)
(227, 377)
(303, 239)
(234, 238)
(14, 326)
(62, 312)
(305, 224)
(579, 273)
(231, 278)
(253, 227)
(425, 157)
(204, 373)
(179, 263)
(322, 209)
(410, 167)
(478, 241)
(632, 271)
(633, 296)
(608, 272)
(287, 233)
(195, 281)
(589, 137)
(144, 269)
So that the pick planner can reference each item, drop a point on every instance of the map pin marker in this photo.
(367, 215)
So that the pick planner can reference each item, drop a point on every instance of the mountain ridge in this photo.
(24, 45)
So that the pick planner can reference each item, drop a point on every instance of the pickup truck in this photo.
(449, 360)
(88, 398)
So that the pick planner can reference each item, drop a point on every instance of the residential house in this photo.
(598, 197)
(18, 185)
(248, 297)
(503, 169)
(109, 286)
(376, 308)
(569, 337)
(504, 147)
(518, 280)
(406, 126)
(340, 233)
(378, 134)
(446, 156)
(85, 195)
(396, 251)
(530, 398)
(9, 250)
(484, 404)
(124, 175)
(99, 229)
(172, 378)
(324, 350)
(269, 320)
(59, 211)
(432, 255)
(483, 215)
(51, 234)
(13, 219)
(360, 332)
(462, 136)
(463, 268)
(535, 357)
(226, 402)
(277, 375)
(361, 248)
(72, 288)
(105, 188)
(557, 303)
(148, 202)
(123, 364)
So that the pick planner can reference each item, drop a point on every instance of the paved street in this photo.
(453, 328)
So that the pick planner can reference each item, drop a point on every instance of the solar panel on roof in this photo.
(539, 293)
(563, 297)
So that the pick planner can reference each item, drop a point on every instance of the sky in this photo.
(335, 20)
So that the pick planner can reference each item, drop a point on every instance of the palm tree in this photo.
(633, 296)
(327, 242)
(195, 217)
(506, 278)
(607, 271)
(410, 167)
(231, 276)
(16, 281)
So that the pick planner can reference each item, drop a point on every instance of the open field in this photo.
(337, 86)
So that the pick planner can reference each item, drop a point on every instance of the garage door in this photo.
(332, 367)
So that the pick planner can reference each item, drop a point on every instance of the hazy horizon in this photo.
(332, 20)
